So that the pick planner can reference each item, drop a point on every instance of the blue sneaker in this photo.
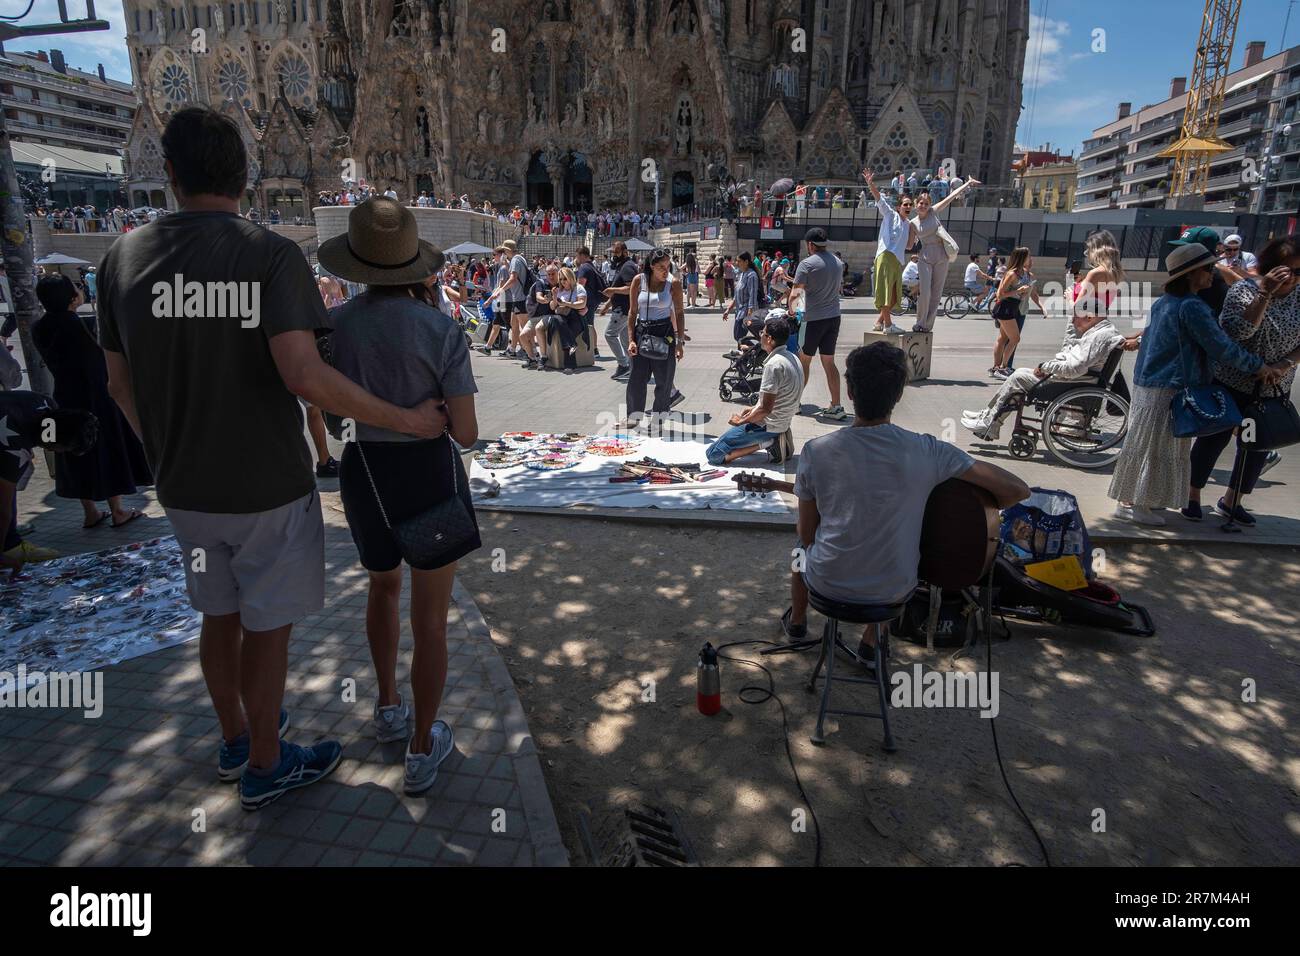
(422, 769)
(298, 767)
(233, 757)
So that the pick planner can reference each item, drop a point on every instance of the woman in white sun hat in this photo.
(1181, 343)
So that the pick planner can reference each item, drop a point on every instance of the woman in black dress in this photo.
(116, 465)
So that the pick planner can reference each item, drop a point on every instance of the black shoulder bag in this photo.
(426, 539)
(1275, 420)
(654, 340)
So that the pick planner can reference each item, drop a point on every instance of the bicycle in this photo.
(958, 305)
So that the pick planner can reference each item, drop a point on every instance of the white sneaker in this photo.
(1139, 515)
(893, 330)
(422, 769)
(392, 722)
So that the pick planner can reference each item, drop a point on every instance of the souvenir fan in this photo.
(612, 447)
(553, 462)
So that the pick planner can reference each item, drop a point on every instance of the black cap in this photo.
(816, 235)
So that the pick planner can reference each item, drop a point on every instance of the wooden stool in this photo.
(584, 357)
(915, 345)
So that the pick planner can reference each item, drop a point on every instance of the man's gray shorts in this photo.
(267, 566)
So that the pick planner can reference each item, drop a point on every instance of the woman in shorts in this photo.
(396, 343)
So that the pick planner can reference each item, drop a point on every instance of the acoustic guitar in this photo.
(959, 536)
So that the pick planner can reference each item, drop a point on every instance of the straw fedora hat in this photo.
(381, 247)
(1188, 258)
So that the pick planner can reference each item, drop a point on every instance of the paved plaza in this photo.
(128, 787)
(587, 400)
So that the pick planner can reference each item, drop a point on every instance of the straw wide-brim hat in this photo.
(1188, 258)
(381, 247)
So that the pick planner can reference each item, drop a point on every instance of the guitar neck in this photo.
(787, 486)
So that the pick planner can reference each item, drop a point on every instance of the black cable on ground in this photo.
(769, 693)
(993, 725)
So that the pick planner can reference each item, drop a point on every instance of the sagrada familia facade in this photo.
(579, 103)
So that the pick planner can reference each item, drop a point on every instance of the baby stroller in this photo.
(850, 285)
(744, 374)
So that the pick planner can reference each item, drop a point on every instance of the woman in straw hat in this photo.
(1180, 345)
(394, 341)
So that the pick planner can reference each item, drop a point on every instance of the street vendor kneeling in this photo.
(767, 423)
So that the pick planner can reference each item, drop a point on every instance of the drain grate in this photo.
(636, 835)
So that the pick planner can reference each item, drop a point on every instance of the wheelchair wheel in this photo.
(1085, 428)
(1022, 446)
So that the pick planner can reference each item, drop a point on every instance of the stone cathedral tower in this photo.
(574, 102)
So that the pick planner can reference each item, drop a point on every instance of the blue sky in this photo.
(1069, 90)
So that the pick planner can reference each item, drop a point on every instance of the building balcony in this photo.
(47, 106)
(86, 90)
(1148, 174)
(1255, 121)
(1089, 152)
(71, 137)
(1172, 121)
(1148, 152)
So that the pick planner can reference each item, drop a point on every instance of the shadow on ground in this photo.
(1152, 731)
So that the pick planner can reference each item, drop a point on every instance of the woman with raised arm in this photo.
(934, 257)
(897, 235)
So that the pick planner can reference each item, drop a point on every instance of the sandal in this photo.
(98, 521)
(131, 516)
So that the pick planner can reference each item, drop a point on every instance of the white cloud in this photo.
(81, 50)
(1045, 56)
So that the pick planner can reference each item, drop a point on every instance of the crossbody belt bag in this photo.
(428, 539)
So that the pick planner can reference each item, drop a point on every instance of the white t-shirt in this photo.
(871, 486)
(973, 274)
(782, 377)
(912, 273)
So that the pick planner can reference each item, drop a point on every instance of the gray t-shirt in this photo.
(782, 377)
(821, 275)
(177, 297)
(519, 269)
(871, 486)
(400, 350)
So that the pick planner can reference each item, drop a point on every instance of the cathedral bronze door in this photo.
(683, 189)
(540, 191)
(577, 183)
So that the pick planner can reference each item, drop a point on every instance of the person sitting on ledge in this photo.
(1083, 354)
(767, 423)
(862, 494)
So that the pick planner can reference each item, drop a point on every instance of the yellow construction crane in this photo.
(1199, 139)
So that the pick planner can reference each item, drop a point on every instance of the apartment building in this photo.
(1120, 166)
(47, 102)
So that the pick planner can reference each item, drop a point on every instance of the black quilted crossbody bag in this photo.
(427, 539)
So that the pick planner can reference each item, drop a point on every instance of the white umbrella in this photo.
(467, 249)
(59, 259)
(637, 245)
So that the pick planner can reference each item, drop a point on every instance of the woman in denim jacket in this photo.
(1181, 342)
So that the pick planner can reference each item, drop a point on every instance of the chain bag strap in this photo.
(435, 536)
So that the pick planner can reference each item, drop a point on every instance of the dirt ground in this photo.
(1152, 731)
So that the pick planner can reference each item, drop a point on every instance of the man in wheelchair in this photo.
(1087, 347)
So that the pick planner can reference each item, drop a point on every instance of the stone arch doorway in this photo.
(540, 192)
(577, 182)
(683, 188)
